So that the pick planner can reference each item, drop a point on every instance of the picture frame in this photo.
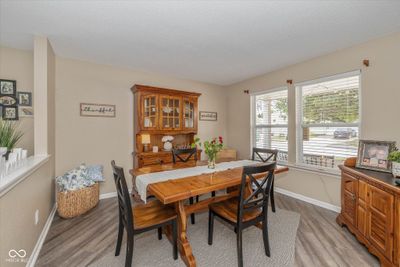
(25, 112)
(373, 155)
(97, 110)
(8, 87)
(208, 116)
(10, 113)
(24, 99)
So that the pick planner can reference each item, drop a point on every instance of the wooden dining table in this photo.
(176, 191)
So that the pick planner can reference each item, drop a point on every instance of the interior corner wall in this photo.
(380, 97)
(97, 140)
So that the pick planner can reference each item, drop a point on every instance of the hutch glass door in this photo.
(149, 112)
(170, 112)
(188, 114)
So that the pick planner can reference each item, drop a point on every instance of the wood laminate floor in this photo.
(320, 241)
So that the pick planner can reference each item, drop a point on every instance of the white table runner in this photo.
(143, 180)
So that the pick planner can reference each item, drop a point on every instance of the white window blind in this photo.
(328, 120)
(271, 122)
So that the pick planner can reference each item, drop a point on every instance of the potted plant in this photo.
(9, 135)
(394, 157)
(211, 148)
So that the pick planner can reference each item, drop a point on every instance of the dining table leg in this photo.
(184, 247)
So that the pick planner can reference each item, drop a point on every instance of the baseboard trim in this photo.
(108, 195)
(36, 250)
(310, 200)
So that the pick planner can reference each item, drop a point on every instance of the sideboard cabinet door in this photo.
(380, 220)
(349, 196)
(362, 210)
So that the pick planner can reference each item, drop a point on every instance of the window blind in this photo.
(328, 120)
(271, 122)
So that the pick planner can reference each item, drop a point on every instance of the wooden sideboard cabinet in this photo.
(159, 112)
(370, 203)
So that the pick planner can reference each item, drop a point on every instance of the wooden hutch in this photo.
(371, 211)
(159, 112)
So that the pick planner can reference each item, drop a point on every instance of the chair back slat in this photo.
(264, 154)
(124, 198)
(177, 154)
(262, 188)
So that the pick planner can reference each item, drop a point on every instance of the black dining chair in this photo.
(141, 218)
(246, 210)
(184, 155)
(266, 155)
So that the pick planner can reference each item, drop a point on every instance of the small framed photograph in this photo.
(25, 112)
(6, 100)
(8, 87)
(10, 113)
(373, 155)
(24, 99)
(207, 116)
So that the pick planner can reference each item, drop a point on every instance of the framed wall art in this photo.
(373, 155)
(25, 112)
(24, 99)
(10, 113)
(207, 116)
(8, 87)
(97, 110)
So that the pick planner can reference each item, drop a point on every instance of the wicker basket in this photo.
(74, 203)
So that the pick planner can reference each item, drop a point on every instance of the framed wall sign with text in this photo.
(207, 116)
(97, 110)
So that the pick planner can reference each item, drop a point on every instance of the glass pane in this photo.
(335, 101)
(176, 102)
(146, 102)
(329, 146)
(187, 123)
(272, 108)
(273, 138)
(164, 101)
(170, 122)
(153, 101)
(176, 123)
(153, 111)
(176, 112)
(165, 122)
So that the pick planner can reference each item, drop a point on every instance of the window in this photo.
(270, 121)
(328, 117)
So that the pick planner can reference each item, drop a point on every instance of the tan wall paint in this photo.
(17, 212)
(36, 192)
(16, 64)
(99, 140)
(379, 99)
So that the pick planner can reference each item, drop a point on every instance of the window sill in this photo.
(11, 180)
(330, 172)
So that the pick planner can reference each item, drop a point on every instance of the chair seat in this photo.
(152, 213)
(228, 210)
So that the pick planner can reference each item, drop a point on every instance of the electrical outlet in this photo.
(36, 217)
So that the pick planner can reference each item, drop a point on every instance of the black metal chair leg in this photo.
(239, 247)
(213, 193)
(197, 198)
(210, 227)
(266, 239)
(129, 251)
(159, 233)
(174, 240)
(272, 197)
(191, 215)
(120, 236)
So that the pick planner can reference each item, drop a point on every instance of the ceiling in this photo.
(219, 42)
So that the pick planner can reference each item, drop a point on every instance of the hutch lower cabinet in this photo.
(370, 203)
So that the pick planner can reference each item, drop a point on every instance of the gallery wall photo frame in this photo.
(25, 112)
(97, 110)
(10, 113)
(8, 87)
(373, 155)
(208, 116)
(24, 99)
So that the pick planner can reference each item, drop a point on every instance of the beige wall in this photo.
(99, 140)
(380, 95)
(17, 213)
(36, 192)
(16, 64)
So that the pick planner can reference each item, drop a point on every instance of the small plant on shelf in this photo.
(10, 135)
(211, 148)
(394, 157)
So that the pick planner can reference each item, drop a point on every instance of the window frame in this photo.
(253, 120)
(299, 119)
